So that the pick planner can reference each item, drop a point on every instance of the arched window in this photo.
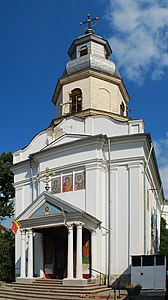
(122, 109)
(83, 50)
(76, 101)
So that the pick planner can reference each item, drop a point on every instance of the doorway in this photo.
(55, 252)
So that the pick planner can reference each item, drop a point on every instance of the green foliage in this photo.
(163, 237)
(7, 191)
(6, 255)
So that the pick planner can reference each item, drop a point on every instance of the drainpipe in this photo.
(31, 174)
(145, 169)
(109, 212)
(144, 210)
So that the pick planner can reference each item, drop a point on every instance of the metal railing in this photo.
(102, 275)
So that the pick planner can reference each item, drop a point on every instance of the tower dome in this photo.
(90, 51)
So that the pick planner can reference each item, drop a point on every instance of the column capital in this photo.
(79, 224)
(93, 232)
(23, 231)
(70, 225)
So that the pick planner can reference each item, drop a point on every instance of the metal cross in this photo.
(89, 20)
(46, 178)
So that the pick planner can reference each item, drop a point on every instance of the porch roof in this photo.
(48, 210)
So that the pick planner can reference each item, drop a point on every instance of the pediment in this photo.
(46, 208)
(45, 205)
(50, 211)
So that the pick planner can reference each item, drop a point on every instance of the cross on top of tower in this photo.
(88, 21)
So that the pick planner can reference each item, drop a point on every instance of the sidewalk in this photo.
(145, 294)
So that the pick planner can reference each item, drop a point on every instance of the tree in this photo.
(7, 255)
(163, 237)
(7, 191)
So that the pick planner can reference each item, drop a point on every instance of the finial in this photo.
(89, 20)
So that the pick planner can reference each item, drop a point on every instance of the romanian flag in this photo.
(15, 226)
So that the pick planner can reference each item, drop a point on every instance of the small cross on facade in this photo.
(88, 21)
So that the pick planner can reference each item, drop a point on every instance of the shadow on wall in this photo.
(120, 282)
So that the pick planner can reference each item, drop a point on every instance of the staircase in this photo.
(46, 289)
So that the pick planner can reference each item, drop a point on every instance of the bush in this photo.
(7, 255)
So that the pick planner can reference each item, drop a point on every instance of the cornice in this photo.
(91, 112)
(90, 73)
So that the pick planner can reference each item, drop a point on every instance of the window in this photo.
(160, 260)
(136, 261)
(148, 260)
(83, 50)
(122, 109)
(76, 101)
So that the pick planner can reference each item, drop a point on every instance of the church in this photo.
(88, 190)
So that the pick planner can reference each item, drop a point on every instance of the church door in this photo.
(60, 260)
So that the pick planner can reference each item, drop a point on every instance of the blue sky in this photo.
(35, 36)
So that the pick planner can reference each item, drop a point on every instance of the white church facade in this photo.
(88, 190)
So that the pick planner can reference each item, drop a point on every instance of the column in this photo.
(41, 255)
(79, 251)
(23, 254)
(70, 252)
(30, 253)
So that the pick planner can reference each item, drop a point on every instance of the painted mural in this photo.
(86, 255)
(67, 183)
(56, 185)
(79, 181)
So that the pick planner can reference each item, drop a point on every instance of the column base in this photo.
(25, 280)
(74, 281)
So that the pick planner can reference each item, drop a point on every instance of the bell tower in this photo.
(91, 83)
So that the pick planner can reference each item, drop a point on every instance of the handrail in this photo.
(100, 275)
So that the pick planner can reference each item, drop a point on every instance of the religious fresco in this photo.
(56, 185)
(46, 209)
(86, 255)
(79, 181)
(67, 183)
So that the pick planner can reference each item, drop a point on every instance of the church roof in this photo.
(88, 38)
(98, 52)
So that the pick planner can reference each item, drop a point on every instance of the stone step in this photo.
(61, 291)
(11, 294)
(57, 283)
(50, 281)
(79, 289)
(36, 291)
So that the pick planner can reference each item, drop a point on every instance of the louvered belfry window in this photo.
(76, 100)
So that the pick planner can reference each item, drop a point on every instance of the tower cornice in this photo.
(90, 73)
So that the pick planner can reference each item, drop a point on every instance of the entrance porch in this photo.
(57, 245)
